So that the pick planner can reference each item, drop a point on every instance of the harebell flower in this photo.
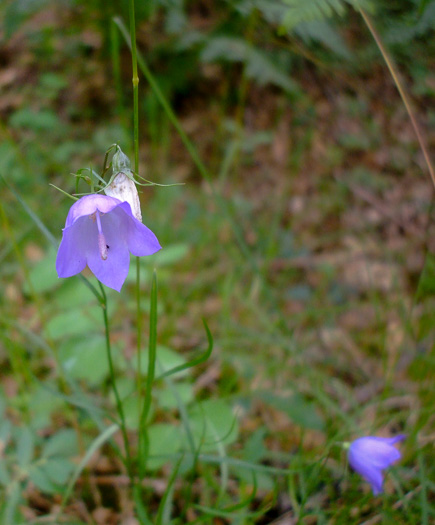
(370, 455)
(101, 232)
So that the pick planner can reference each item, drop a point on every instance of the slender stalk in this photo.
(152, 353)
(138, 327)
(113, 381)
(401, 90)
(116, 64)
(135, 81)
(137, 489)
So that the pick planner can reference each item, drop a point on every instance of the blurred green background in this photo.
(310, 253)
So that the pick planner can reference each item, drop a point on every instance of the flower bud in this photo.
(120, 162)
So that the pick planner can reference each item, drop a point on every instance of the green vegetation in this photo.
(293, 304)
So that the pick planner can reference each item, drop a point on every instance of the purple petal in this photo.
(370, 455)
(114, 270)
(395, 439)
(105, 251)
(90, 204)
(71, 256)
(376, 451)
(373, 476)
(140, 239)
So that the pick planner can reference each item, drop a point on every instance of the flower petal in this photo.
(114, 270)
(88, 205)
(71, 256)
(101, 231)
(376, 451)
(140, 239)
(370, 455)
(373, 476)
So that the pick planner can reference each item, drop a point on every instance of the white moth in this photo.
(123, 188)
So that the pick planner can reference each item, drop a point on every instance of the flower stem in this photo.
(113, 381)
(135, 81)
(152, 353)
(138, 328)
(116, 65)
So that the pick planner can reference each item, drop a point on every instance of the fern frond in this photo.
(299, 11)
(260, 66)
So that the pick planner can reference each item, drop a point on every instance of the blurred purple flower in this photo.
(369, 456)
(101, 232)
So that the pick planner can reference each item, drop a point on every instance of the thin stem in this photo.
(401, 90)
(152, 353)
(138, 328)
(135, 81)
(113, 380)
(116, 64)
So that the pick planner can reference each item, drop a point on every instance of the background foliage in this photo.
(312, 259)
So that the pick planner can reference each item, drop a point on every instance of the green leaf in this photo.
(40, 478)
(170, 254)
(43, 276)
(213, 424)
(5, 432)
(63, 443)
(299, 410)
(322, 32)
(166, 360)
(74, 322)
(164, 440)
(308, 10)
(254, 449)
(42, 404)
(426, 285)
(58, 470)
(5, 478)
(259, 66)
(95, 445)
(17, 13)
(38, 121)
(86, 358)
(53, 82)
(70, 296)
(9, 515)
(167, 398)
(25, 446)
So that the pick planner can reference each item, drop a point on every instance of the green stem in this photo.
(113, 381)
(135, 81)
(138, 328)
(116, 64)
(152, 353)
